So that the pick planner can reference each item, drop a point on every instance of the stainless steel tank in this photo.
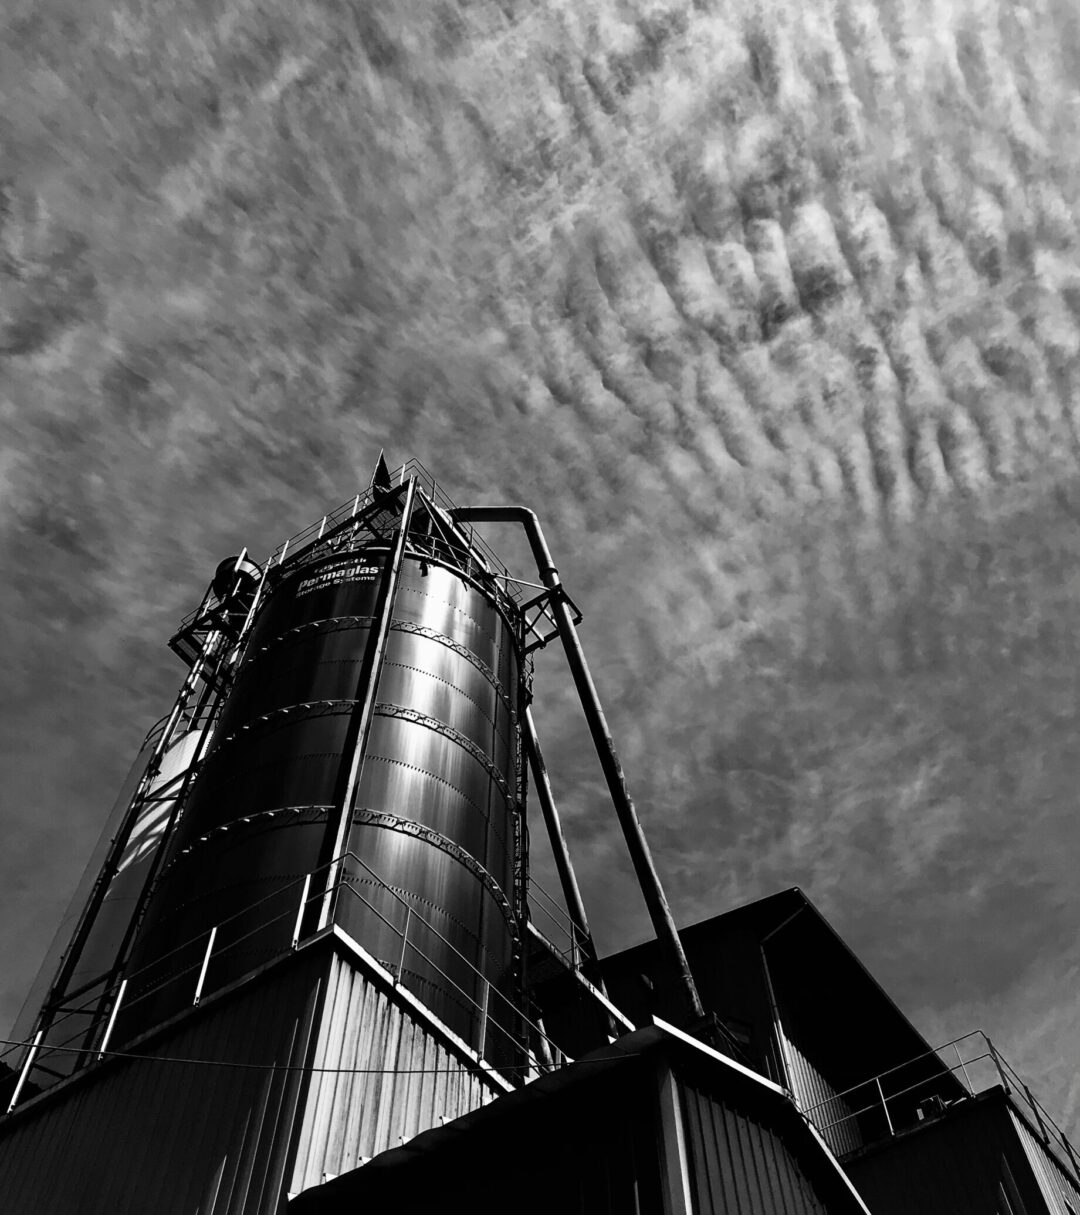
(430, 892)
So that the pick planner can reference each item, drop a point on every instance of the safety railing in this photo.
(468, 1001)
(487, 562)
(895, 1104)
(497, 1028)
(556, 924)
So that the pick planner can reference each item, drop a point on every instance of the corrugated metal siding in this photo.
(1057, 1189)
(353, 1114)
(589, 1148)
(139, 1136)
(739, 1165)
(969, 1161)
(829, 1112)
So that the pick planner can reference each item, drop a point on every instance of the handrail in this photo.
(553, 906)
(570, 932)
(106, 1003)
(1059, 1142)
(314, 532)
(898, 1067)
(419, 915)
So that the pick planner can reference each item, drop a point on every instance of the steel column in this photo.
(567, 878)
(618, 789)
(355, 744)
(677, 1197)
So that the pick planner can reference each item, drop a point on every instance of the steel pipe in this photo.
(618, 789)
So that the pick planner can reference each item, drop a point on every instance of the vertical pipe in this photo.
(568, 879)
(618, 789)
(367, 686)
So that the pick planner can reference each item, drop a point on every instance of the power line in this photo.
(295, 1067)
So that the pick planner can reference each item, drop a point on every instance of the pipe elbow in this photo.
(528, 519)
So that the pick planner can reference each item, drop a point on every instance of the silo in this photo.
(429, 884)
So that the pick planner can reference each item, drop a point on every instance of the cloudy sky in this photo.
(771, 309)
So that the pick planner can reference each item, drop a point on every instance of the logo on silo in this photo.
(349, 570)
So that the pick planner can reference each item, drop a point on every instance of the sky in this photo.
(770, 309)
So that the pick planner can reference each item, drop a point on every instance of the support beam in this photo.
(567, 878)
(367, 686)
(675, 1168)
(72, 955)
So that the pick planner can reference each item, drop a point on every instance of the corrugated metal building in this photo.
(796, 1005)
(980, 1156)
(793, 1002)
(305, 973)
(655, 1123)
(266, 1087)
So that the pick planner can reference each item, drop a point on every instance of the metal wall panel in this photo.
(968, 1162)
(828, 1111)
(739, 1165)
(602, 1137)
(386, 1079)
(140, 1135)
(591, 1150)
(1061, 1193)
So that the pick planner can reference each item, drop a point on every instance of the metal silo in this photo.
(310, 911)
(370, 737)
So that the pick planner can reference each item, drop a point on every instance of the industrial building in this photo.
(307, 971)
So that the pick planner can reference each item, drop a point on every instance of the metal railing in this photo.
(487, 1019)
(979, 1066)
(489, 1010)
(487, 564)
(482, 560)
(556, 924)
